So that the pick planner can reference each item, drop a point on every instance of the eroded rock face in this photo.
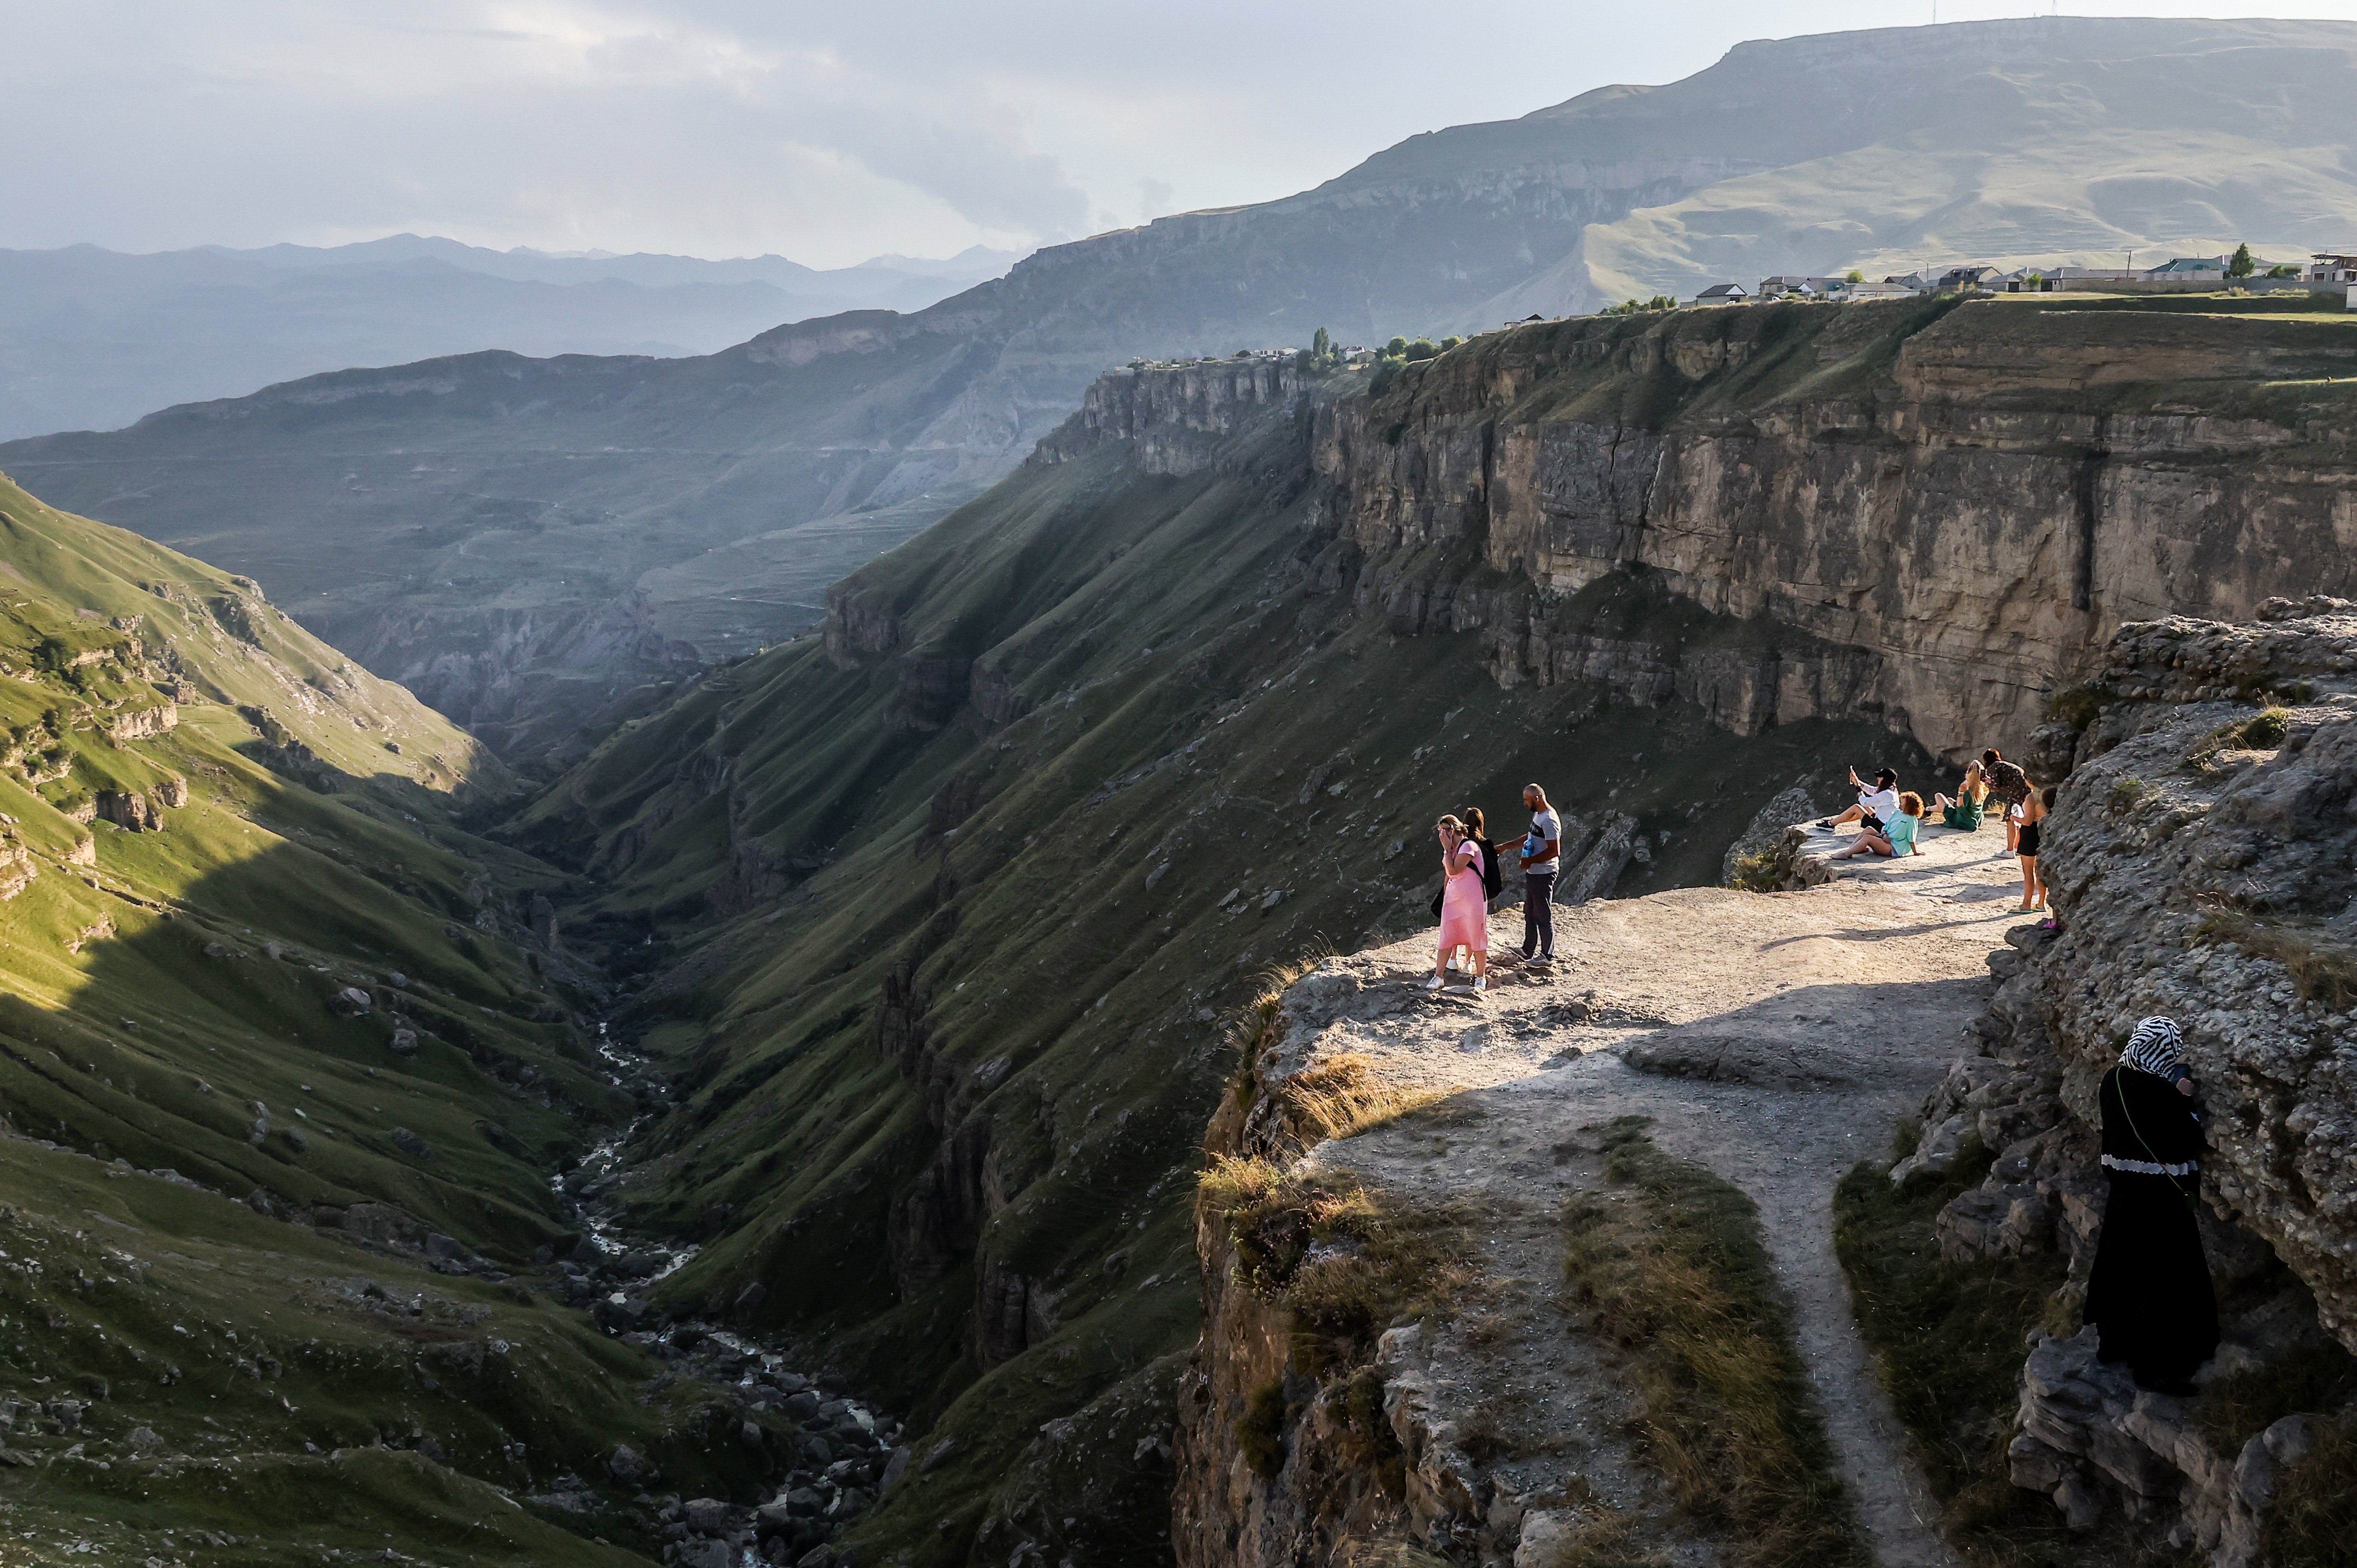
(2203, 864)
(1933, 553)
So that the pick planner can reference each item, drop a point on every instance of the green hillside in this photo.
(282, 1073)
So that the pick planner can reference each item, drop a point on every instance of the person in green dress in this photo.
(1963, 809)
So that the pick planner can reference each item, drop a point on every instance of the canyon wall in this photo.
(1934, 514)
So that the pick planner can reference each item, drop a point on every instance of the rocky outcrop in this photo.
(2201, 863)
(540, 684)
(1920, 513)
(1174, 421)
(129, 810)
(142, 723)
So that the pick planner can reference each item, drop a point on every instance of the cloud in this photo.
(543, 121)
(826, 131)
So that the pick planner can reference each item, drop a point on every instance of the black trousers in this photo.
(1538, 915)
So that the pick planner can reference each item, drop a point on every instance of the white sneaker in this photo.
(1480, 982)
(1433, 982)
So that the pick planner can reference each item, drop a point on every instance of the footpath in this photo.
(1775, 1040)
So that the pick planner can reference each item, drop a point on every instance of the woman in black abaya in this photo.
(2149, 1294)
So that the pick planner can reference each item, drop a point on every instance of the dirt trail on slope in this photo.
(1774, 1039)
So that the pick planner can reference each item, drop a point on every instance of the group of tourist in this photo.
(1889, 818)
(1471, 876)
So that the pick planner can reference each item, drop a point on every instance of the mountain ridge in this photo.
(786, 459)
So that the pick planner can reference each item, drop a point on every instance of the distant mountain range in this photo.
(92, 339)
(526, 541)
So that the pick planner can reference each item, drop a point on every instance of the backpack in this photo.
(1493, 881)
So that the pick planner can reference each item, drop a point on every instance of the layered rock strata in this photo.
(1916, 512)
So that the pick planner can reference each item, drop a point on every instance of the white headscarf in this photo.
(2153, 1046)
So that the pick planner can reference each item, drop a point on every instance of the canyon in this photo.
(1014, 837)
(890, 975)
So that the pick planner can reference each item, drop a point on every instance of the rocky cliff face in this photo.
(2201, 862)
(1932, 516)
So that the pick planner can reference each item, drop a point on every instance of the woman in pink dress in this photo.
(1464, 908)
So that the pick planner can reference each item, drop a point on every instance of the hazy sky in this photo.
(827, 133)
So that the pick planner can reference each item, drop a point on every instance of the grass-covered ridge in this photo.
(259, 979)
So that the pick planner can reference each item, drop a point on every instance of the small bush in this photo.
(1423, 348)
(2077, 707)
(2127, 790)
(2262, 731)
(1762, 872)
(2266, 731)
(1260, 1431)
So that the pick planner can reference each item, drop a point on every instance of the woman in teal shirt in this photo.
(1897, 834)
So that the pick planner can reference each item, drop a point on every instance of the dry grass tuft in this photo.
(2314, 1520)
(1344, 1094)
(2262, 731)
(2322, 971)
(1668, 1262)
(1346, 1263)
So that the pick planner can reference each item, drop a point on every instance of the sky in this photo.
(826, 133)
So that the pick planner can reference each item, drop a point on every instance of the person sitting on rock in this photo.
(1962, 811)
(1465, 907)
(1897, 834)
(2149, 1295)
(1875, 807)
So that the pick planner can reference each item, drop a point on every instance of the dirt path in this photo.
(1773, 1039)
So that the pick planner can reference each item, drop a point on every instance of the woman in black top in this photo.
(2149, 1293)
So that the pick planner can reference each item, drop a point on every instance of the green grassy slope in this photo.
(947, 1005)
(292, 993)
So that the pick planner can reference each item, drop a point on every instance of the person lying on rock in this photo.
(1897, 834)
(1875, 807)
(2150, 1295)
(1464, 906)
(1963, 810)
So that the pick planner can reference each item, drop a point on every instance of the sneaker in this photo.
(1826, 823)
(1481, 983)
(1433, 982)
(1545, 960)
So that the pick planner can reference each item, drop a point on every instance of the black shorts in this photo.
(2026, 844)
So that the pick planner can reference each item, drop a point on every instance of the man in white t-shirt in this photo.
(1540, 856)
(1874, 806)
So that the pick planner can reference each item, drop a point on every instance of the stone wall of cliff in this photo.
(1934, 513)
(2201, 862)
